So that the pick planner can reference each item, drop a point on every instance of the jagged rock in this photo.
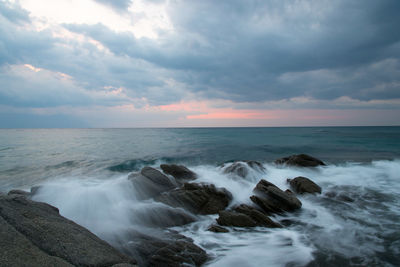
(301, 160)
(179, 172)
(217, 229)
(197, 198)
(241, 168)
(231, 218)
(172, 250)
(271, 199)
(35, 234)
(304, 185)
(150, 183)
(163, 216)
(260, 218)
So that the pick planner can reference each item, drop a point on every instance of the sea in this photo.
(354, 222)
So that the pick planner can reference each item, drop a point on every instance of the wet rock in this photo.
(150, 183)
(217, 229)
(301, 160)
(35, 234)
(231, 218)
(271, 199)
(197, 198)
(163, 216)
(303, 185)
(179, 172)
(169, 251)
(19, 192)
(259, 217)
(241, 168)
(341, 197)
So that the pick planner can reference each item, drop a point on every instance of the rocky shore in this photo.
(35, 234)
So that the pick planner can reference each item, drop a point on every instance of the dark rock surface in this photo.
(179, 172)
(241, 168)
(259, 217)
(304, 185)
(150, 183)
(35, 234)
(271, 199)
(197, 198)
(19, 192)
(169, 251)
(301, 160)
(231, 218)
(217, 229)
(163, 216)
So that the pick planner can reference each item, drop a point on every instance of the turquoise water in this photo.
(84, 173)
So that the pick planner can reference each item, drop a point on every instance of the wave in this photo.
(353, 222)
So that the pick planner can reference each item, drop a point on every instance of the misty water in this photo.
(354, 222)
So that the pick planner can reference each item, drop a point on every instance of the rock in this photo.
(231, 218)
(179, 172)
(161, 215)
(301, 160)
(241, 168)
(169, 251)
(341, 197)
(217, 229)
(37, 235)
(197, 198)
(303, 185)
(19, 192)
(150, 183)
(17, 250)
(271, 199)
(260, 218)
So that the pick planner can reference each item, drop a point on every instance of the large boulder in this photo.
(35, 234)
(303, 185)
(245, 216)
(231, 218)
(301, 160)
(160, 215)
(179, 172)
(197, 198)
(150, 183)
(271, 199)
(241, 168)
(170, 250)
(259, 217)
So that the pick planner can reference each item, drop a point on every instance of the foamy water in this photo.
(357, 226)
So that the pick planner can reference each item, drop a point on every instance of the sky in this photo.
(173, 63)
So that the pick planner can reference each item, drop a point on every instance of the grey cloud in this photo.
(238, 50)
(119, 5)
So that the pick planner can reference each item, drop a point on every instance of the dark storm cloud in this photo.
(240, 50)
(244, 51)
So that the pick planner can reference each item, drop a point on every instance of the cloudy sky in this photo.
(173, 63)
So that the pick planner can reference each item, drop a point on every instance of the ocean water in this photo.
(84, 173)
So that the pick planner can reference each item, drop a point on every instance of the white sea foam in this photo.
(350, 227)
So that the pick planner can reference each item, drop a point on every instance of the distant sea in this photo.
(84, 172)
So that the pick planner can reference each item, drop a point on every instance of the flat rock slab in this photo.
(301, 160)
(303, 185)
(197, 198)
(39, 230)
